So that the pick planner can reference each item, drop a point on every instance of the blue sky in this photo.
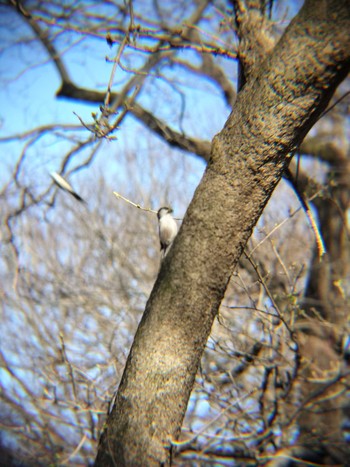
(28, 100)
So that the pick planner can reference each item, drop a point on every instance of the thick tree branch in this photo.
(173, 138)
(327, 151)
(255, 37)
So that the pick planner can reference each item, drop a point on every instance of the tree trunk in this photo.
(272, 114)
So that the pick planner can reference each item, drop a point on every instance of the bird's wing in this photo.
(62, 183)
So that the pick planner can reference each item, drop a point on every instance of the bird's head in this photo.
(164, 211)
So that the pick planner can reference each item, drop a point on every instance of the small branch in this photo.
(55, 55)
(269, 294)
(213, 420)
(318, 236)
(114, 69)
(138, 206)
(69, 365)
(331, 107)
(278, 226)
(76, 450)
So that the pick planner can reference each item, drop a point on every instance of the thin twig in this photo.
(76, 450)
(114, 69)
(333, 105)
(212, 421)
(269, 294)
(278, 226)
(69, 365)
(321, 248)
(138, 206)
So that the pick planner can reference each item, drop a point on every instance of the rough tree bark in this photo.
(272, 114)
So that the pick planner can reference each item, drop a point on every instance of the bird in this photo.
(62, 183)
(167, 229)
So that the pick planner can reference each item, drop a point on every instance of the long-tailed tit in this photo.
(167, 229)
(62, 183)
